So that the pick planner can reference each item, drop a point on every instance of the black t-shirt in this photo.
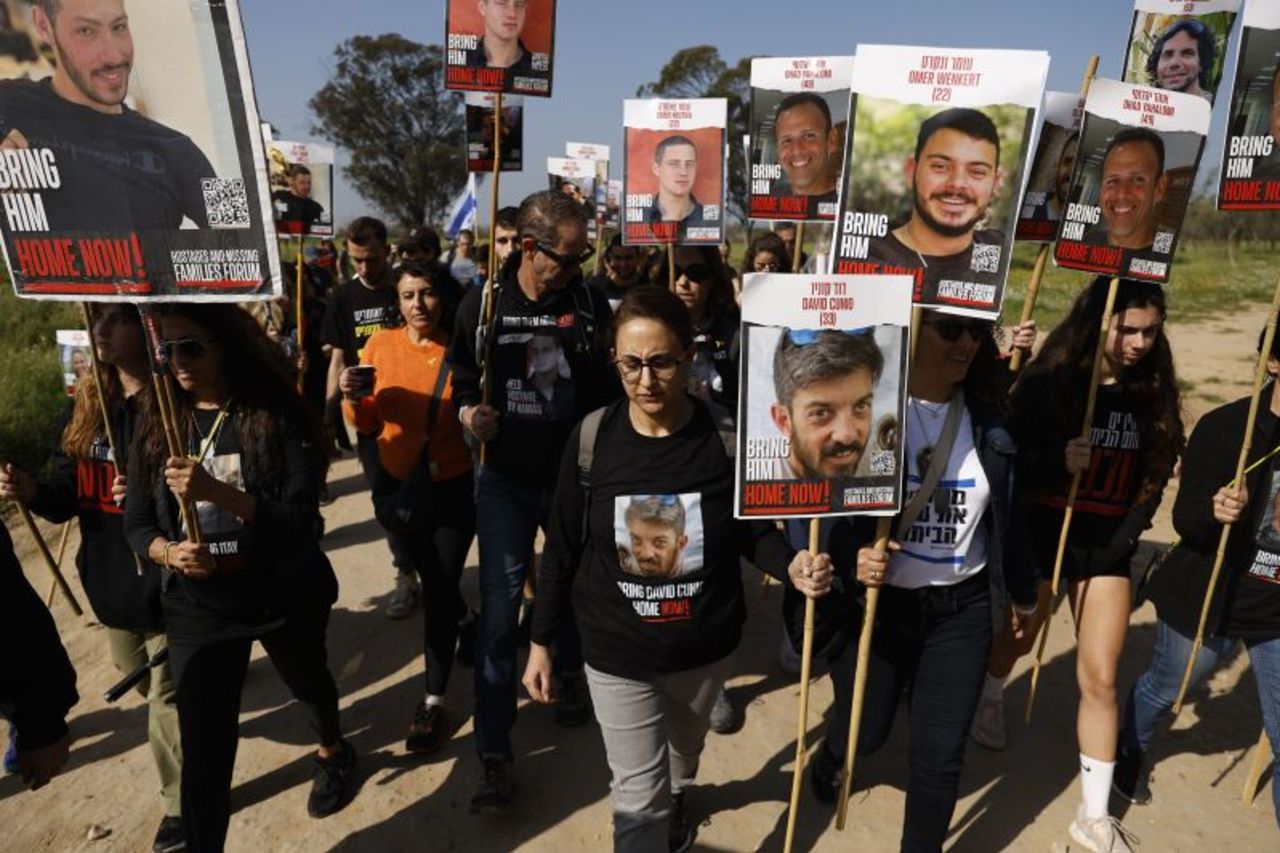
(611, 291)
(657, 586)
(715, 361)
(295, 214)
(1253, 604)
(356, 312)
(891, 251)
(117, 172)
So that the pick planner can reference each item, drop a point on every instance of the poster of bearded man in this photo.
(1180, 46)
(1049, 181)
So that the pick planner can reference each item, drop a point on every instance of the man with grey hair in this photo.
(116, 170)
(824, 382)
(538, 294)
(656, 527)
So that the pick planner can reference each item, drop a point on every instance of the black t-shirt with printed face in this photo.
(356, 312)
(117, 173)
(1253, 597)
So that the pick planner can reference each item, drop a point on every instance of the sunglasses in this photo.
(660, 500)
(191, 349)
(808, 337)
(564, 261)
(698, 272)
(766, 266)
(951, 328)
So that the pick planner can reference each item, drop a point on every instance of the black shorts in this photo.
(1087, 542)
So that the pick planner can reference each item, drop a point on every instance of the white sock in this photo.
(1095, 782)
(993, 688)
(434, 700)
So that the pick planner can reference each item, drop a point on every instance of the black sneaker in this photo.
(680, 830)
(493, 794)
(726, 718)
(334, 782)
(826, 772)
(573, 702)
(428, 730)
(1130, 777)
(466, 653)
(169, 837)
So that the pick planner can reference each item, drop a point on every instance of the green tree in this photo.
(387, 105)
(699, 72)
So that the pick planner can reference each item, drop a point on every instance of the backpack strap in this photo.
(587, 434)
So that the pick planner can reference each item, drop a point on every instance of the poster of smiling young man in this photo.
(824, 383)
(500, 45)
(1051, 168)
(1139, 148)
(134, 160)
(482, 122)
(799, 114)
(673, 171)
(1180, 45)
(935, 164)
(1250, 175)
(301, 175)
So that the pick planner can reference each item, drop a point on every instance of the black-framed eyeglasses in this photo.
(191, 349)
(766, 266)
(951, 328)
(663, 366)
(565, 261)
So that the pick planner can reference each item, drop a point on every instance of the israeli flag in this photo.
(463, 214)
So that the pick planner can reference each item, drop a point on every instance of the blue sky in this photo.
(605, 49)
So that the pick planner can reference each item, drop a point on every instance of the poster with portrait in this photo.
(576, 179)
(1180, 45)
(936, 161)
(500, 45)
(598, 154)
(673, 171)
(1135, 167)
(74, 357)
(1050, 178)
(144, 179)
(1265, 566)
(613, 205)
(823, 393)
(482, 122)
(799, 115)
(301, 176)
(1250, 175)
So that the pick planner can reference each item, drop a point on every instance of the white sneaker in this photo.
(988, 724)
(404, 597)
(1102, 834)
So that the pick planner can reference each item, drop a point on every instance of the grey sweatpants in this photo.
(653, 736)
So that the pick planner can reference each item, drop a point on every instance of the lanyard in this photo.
(208, 442)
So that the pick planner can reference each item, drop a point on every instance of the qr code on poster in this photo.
(986, 258)
(541, 61)
(882, 462)
(711, 212)
(1163, 242)
(225, 202)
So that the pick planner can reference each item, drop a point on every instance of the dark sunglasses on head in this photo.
(191, 349)
(565, 261)
(951, 328)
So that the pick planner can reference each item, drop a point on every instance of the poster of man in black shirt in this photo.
(500, 45)
(104, 200)
(301, 187)
(1249, 177)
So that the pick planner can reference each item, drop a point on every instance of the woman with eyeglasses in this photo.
(1135, 439)
(945, 570)
(86, 483)
(643, 542)
(703, 285)
(409, 408)
(767, 253)
(248, 472)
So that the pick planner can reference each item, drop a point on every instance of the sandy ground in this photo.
(1018, 799)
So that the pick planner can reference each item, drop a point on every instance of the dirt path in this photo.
(1019, 799)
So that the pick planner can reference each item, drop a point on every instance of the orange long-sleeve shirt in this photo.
(405, 375)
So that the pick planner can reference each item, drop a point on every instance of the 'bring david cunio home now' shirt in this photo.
(948, 542)
(1254, 609)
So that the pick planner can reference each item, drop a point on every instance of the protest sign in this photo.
(1049, 180)
(613, 206)
(598, 154)
(799, 115)
(1139, 148)
(500, 45)
(1250, 175)
(74, 356)
(481, 123)
(301, 176)
(148, 182)
(673, 173)
(576, 179)
(829, 446)
(1179, 45)
(936, 160)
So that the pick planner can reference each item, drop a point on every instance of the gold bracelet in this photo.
(165, 554)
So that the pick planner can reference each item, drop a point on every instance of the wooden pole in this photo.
(883, 530)
(1261, 753)
(1259, 379)
(1037, 272)
(62, 552)
(802, 722)
(1105, 322)
(799, 252)
(297, 310)
(671, 266)
(61, 581)
(162, 387)
(493, 257)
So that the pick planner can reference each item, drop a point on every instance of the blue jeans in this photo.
(508, 515)
(1151, 699)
